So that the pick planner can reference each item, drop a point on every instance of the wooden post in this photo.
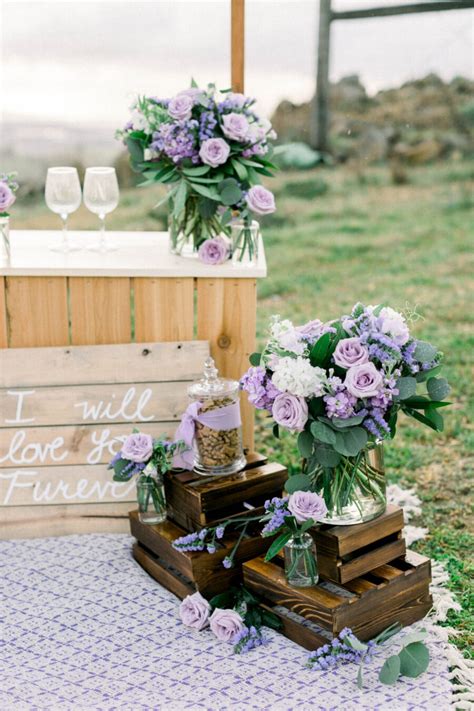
(237, 44)
(319, 128)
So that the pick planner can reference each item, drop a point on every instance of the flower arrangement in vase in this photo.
(148, 459)
(340, 387)
(211, 149)
(8, 188)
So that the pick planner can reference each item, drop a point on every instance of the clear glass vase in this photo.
(301, 568)
(5, 236)
(191, 228)
(151, 499)
(354, 491)
(245, 244)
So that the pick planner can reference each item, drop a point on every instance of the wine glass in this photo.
(63, 197)
(101, 196)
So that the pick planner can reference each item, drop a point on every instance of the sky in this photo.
(81, 63)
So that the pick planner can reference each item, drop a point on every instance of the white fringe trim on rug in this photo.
(461, 669)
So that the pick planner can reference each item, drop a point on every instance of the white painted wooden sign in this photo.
(64, 413)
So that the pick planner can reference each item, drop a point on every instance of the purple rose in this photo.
(214, 151)
(194, 611)
(260, 200)
(311, 330)
(349, 352)
(137, 447)
(290, 411)
(7, 198)
(226, 624)
(235, 127)
(236, 99)
(214, 251)
(364, 380)
(180, 107)
(306, 504)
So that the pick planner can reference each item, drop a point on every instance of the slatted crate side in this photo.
(390, 593)
(3, 315)
(100, 310)
(163, 308)
(342, 571)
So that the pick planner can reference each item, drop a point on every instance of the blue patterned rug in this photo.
(82, 626)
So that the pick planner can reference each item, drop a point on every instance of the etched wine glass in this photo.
(101, 196)
(63, 197)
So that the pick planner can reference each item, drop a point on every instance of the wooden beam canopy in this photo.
(237, 44)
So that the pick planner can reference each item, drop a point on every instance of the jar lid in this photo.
(211, 384)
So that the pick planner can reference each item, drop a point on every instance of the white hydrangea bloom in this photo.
(139, 121)
(394, 325)
(298, 377)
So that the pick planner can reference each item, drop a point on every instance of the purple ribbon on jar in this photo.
(222, 418)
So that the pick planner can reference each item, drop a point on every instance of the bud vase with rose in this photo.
(8, 187)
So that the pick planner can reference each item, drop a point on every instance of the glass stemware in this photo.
(63, 197)
(101, 196)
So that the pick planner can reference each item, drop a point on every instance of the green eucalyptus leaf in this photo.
(414, 637)
(390, 670)
(424, 352)
(305, 444)
(255, 359)
(230, 191)
(323, 433)
(414, 659)
(297, 482)
(406, 387)
(207, 208)
(203, 190)
(325, 455)
(426, 374)
(349, 422)
(438, 388)
(135, 149)
(349, 442)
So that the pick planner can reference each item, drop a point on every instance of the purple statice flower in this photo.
(211, 548)
(260, 388)
(408, 357)
(207, 124)
(190, 542)
(248, 638)
(228, 563)
(341, 404)
(220, 530)
(278, 508)
(383, 348)
(340, 650)
(376, 424)
(177, 140)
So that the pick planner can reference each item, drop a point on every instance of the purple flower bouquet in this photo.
(211, 149)
(340, 387)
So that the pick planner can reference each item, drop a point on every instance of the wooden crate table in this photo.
(182, 572)
(398, 592)
(346, 552)
(195, 502)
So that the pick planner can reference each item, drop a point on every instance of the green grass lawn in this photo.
(335, 240)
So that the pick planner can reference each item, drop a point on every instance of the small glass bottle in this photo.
(151, 496)
(218, 430)
(245, 244)
(5, 237)
(301, 569)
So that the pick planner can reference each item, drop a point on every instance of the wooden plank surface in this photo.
(100, 310)
(153, 565)
(132, 363)
(164, 309)
(64, 520)
(141, 403)
(237, 44)
(367, 562)
(3, 316)
(37, 311)
(227, 319)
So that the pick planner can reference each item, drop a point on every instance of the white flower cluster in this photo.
(298, 377)
(285, 337)
(394, 325)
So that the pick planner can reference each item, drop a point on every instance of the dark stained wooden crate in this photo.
(187, 572)
(346, 552)
(195, 502)
(395, 592)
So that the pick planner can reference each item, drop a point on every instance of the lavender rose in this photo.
(214, 151)
(305, 505)
(213, 251)
(364, 380)
(180, 107)
(226, 624)
(7, 198)
(235, 126)
(349, 352)
(260, 200)
(137, 447)
(290, 411)
(194, 611)
(311, 330)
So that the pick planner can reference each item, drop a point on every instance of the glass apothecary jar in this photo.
(245, 243)
(218, 426)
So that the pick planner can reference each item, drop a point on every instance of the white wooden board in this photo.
(63, 415)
